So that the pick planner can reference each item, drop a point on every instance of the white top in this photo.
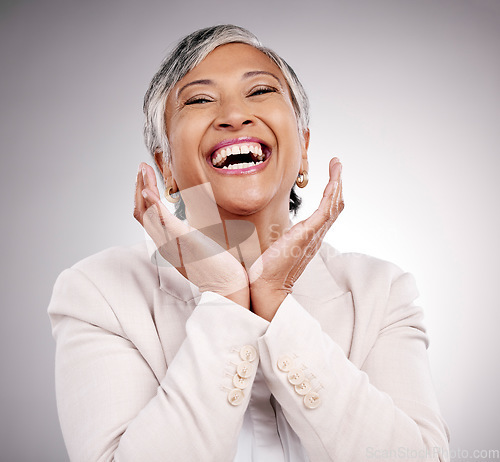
(266, 435)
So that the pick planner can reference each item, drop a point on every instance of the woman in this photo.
(242, 337)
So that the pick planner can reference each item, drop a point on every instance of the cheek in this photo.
(184, 140)
(187, 127)
(284, 121)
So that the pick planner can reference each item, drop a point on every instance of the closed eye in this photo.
(198, 100)
(262, 90)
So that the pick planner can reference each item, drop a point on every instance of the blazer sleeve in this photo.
(385, 409)
(111, 405)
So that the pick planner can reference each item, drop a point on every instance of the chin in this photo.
(245, 206)
(244, 210)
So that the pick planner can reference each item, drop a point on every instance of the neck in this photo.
(246, 237)
(269, 225)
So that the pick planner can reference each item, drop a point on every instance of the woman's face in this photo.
(230, 122)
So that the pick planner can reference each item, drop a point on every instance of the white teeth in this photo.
(241, 165)
(222, 154)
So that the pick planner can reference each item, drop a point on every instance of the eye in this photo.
(198, 100)
(262, 90)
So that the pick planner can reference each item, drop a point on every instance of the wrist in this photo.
(265, 302)
(241, 297)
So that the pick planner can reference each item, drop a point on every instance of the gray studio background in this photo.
(406, 93)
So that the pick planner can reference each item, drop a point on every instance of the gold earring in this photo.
(169, 196)
(302, 179)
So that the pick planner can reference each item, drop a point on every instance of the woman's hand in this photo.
(274, 273)
(197, 257)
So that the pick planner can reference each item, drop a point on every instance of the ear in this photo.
(304, 164)
(165, 170)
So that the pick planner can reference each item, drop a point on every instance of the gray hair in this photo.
(189, 52)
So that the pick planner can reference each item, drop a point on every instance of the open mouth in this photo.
(240, 155)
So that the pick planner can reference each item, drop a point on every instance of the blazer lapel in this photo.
(174, 302)
(319, 293)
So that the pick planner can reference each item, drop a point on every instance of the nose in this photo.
(233, 115)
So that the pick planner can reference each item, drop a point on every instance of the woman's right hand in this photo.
(197, 257)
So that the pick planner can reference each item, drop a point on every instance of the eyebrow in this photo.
(195, 82)
(246, 75)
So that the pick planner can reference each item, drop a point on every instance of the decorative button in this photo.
(240, 382)
(312, 400)
(285, 363)
(244, 369)
(296, 376)
(235, 396)
(248, 353)
(303, 388)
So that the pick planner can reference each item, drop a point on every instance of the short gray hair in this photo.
(188, 53)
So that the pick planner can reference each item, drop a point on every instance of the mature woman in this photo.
(238, 336)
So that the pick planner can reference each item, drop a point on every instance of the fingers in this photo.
(146, 191)
(139, 206)
(149, 179)
(155, 215)
(332, 202)
(156, 219)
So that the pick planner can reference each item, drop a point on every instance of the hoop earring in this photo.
(302, 179)
(169, 196)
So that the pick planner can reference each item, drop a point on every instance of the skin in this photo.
(236, 91)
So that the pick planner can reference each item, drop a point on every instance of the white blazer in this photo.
(149, 369)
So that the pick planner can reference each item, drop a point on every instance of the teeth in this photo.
(223, 153)
(241, 165)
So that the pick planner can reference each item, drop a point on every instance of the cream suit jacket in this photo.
(145, 363)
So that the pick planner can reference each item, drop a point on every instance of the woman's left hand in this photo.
(274, 273)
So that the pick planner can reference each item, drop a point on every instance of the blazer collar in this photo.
(316, 283)
(170, 280)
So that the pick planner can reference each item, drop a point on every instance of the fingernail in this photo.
(144, 178)
(144, 194)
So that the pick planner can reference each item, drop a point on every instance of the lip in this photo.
(240, 171)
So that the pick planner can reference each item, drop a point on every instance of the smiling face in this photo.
(230, 122)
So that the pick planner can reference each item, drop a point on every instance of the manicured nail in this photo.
(144, 178)
(144, 194)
